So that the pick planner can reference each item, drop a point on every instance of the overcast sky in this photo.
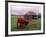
(23, 9)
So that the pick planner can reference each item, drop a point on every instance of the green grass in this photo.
(36, 24)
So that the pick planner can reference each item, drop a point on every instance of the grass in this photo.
(36, 24)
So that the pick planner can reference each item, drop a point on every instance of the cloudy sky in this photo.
(24, 8)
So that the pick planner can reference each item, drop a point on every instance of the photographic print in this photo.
(25, 18)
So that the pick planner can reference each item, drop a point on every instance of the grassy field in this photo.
(36, 24)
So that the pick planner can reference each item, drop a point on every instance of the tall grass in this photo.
(36, 24)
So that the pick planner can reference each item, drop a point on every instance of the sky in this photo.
(22, 9)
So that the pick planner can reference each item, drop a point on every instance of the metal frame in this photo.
(6, 17)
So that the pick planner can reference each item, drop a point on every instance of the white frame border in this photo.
(23, 32)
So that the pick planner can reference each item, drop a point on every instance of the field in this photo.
(36, 24)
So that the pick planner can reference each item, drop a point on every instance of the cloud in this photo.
(21, 10)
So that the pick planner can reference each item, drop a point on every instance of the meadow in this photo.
(36, 24)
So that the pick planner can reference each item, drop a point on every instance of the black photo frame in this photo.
(6, 17)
